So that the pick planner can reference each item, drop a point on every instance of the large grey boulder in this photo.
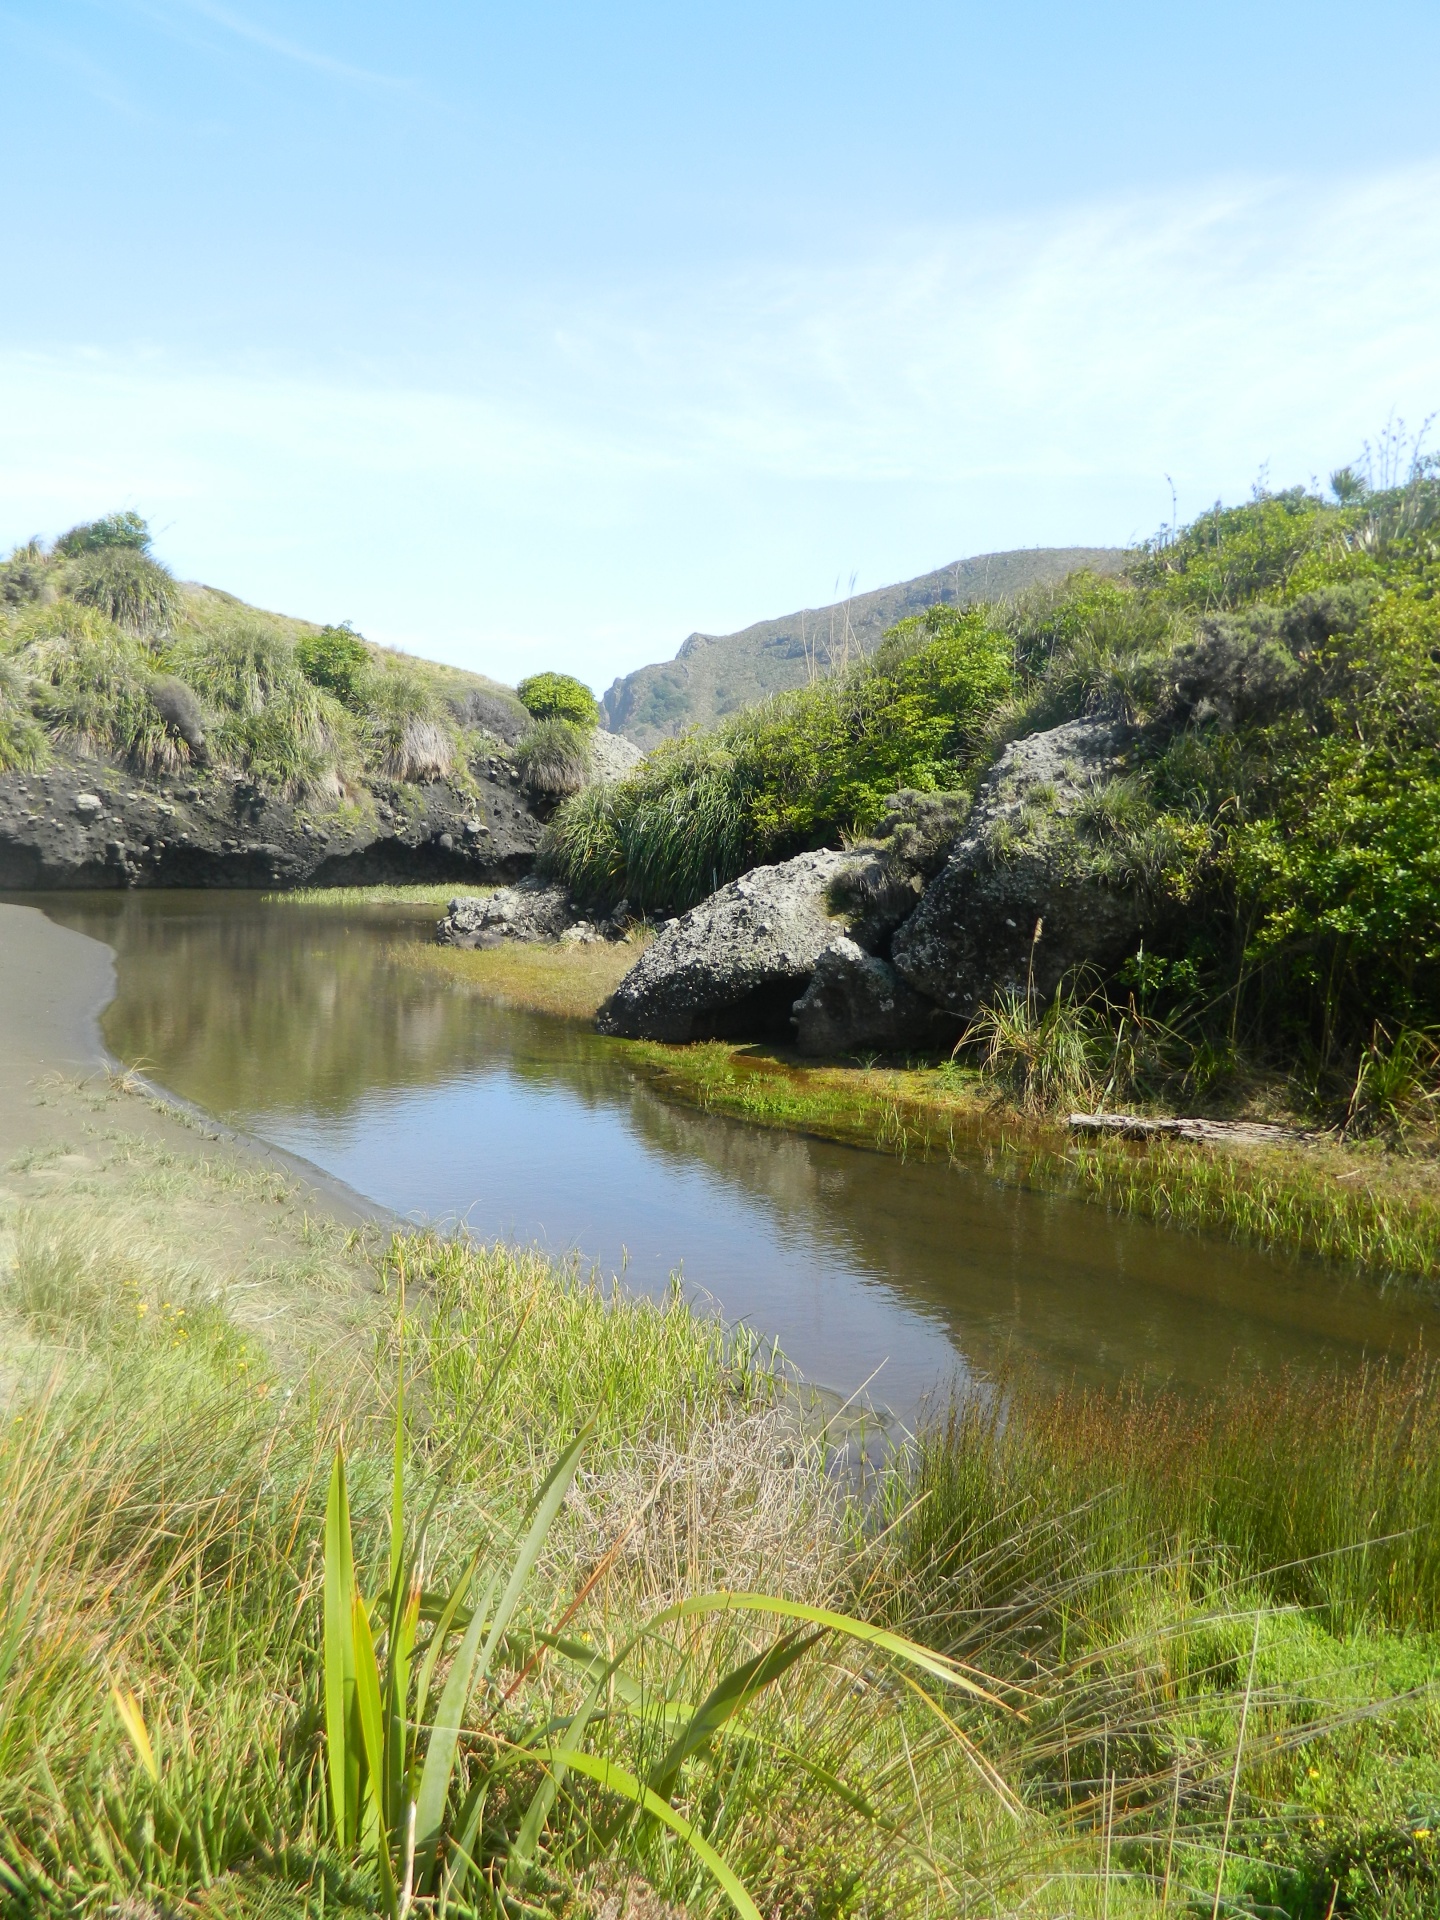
(1030, 859)
(856, 1000)
(733, 966)
(612, 757)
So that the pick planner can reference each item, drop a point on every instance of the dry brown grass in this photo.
(568, 980)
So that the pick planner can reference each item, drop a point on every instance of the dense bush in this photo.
(558, 696)
(336, 659)
(798, 771)
(1277, 666)
(125, 530)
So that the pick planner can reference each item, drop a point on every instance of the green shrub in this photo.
(558, 696)
(801, 770)
(553, 758)
(123, 530)
(336, 659)
(128, 587)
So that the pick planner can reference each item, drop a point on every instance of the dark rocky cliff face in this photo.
(92, 823)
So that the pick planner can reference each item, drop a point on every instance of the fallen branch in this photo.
(1137, 1126)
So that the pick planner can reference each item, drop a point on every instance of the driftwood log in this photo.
(1138, 1126)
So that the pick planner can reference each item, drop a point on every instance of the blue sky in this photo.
(541, 336)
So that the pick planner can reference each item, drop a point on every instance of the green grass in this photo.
(418, 894)
(568, 981)
(1208, 1692)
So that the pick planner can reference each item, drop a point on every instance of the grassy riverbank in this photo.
(1212, 1675)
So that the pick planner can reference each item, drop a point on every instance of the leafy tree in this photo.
(110, 530)
(336, 659)
(558, 696)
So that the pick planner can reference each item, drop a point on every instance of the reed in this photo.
(1102, 1571)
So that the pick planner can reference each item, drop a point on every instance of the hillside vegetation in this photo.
(104, 653)
(1276, 667)
(717, 674)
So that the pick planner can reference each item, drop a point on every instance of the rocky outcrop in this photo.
(856, 1000)
(90, 823)
(733, 966)
(612, 756)
(532, 910)
(893, 867)
(1021, 901)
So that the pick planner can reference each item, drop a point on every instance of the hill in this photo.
(716, 674)
(159, 732)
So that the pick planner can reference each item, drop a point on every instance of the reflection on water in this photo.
(298, 1024)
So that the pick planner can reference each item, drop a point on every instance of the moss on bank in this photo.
(566, 980)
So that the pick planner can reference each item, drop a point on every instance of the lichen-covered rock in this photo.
(1031, 890)
(894, 864)
(531, 910)
(856, 1000)
(612, 757)
(733, 966)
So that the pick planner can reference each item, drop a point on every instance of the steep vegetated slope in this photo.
(716, 674)
(1259, 700)
(156, 732)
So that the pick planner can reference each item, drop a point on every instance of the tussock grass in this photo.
(128, 587)
(274, 722)
(1111, 1568)
(407, 732)
(23, 746)
(553, 757)
(115, 658)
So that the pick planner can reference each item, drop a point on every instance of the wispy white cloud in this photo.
(280, 45)
(97, 80)
(627, 462)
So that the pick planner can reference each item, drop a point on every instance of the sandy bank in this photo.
(87, 1151)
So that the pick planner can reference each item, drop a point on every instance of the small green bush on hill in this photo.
(336, 659)
(111, 530)
(558, 696)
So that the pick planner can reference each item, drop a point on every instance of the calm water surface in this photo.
(300, 1025)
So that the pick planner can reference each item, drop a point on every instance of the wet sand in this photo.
(87, 1148)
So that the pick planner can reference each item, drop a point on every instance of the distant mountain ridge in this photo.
(715, 674)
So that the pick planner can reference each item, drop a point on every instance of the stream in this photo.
(301, 1025)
